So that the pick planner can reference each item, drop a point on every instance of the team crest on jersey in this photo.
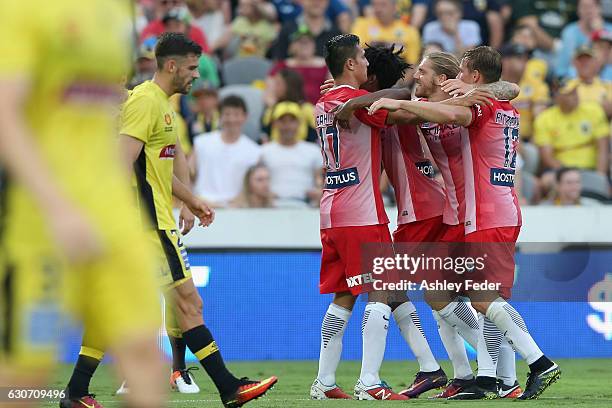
(585, 127)
(167, 152)
(168, 119)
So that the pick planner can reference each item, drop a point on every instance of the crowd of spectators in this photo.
(558, 51)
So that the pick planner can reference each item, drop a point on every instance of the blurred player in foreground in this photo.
(149, 143)
(494, 215)
(70, 231)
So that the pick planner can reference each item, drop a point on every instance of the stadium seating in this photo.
(595, 185)
(243, 71)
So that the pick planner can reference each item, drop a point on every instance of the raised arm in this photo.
(344, 112)
(501, 89)
(435, 112)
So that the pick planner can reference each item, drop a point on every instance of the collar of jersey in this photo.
(157, 88)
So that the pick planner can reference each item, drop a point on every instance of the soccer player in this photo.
(352, 213)
(69, 229)
(148, 139)
(494, 215)
(91, 354)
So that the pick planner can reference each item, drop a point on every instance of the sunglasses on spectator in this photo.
(171, 2)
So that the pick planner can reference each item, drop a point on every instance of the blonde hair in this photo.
(444, 63)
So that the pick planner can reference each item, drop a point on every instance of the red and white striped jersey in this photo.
(352, 162)
(418, 195)
(489, 153)
(445, 145)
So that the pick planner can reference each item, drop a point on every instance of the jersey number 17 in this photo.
(330, 146)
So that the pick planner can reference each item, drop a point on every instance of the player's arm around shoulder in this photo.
(435, 112)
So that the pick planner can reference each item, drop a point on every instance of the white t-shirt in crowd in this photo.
(212, 24)
(222, 166)
(292, 168)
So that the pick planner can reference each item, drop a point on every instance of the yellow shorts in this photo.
(172, 258)
(115, 296)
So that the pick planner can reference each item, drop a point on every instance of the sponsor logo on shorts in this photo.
(426, 168)
(167, 152)
(342, 178)
(502, 177)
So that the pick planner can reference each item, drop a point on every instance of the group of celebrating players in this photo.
(364, 126)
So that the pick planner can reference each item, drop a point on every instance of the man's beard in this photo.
(181, 87)
(422, 91)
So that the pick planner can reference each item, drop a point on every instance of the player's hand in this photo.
(384, 103)
(476, 96)
(74, 234)
(186, 220)
(456, 87)
(342, 115)
(205, 214)
(327, 85)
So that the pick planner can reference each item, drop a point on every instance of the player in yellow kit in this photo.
(149, 141)
(67, 214)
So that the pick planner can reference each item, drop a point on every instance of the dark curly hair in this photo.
(386, 63)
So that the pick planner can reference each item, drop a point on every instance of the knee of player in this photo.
(481, 307)
(379, 296)
(345, 300)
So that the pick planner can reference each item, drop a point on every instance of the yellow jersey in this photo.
(148, 116)
(598, 91)
(75, 78)
(370, 31)
(573, 136)
(536, 69)
(73, 55)
(533, 92)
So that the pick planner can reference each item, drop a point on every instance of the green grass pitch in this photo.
(584, 383)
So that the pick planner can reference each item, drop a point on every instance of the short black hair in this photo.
(174, 45)
(339, 49)
(486, 60)
(233, 101)
(386, 63)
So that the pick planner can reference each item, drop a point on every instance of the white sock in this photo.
(488, 347)
(409, 324)
(374, 332)
(512, 325)
(332, 331)
(455, 348)
(462, 316)
(506, 365)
